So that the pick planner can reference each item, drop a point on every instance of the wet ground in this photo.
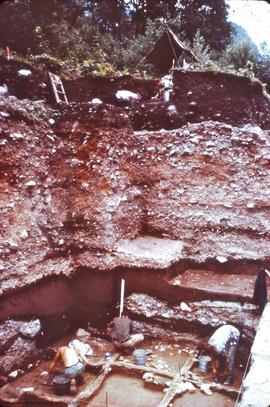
(119, 386)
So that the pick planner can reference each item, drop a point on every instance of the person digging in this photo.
(73, 361)
(222, 347)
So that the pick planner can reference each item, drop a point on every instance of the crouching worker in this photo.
(122, 333)
(73, 362)
(222, 347)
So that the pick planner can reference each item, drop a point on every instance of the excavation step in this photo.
(207, 284)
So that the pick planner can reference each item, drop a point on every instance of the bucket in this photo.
(204, 363)
(139, 355)
(107, 356)
(61, 384)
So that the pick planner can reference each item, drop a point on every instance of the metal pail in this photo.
(139, 355)
(204, 363)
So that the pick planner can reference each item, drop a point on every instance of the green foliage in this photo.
(262, 66)
(141, 11)
(49, 62)
(126, 53)
(90, 66)
(201, 49)
(238, 54)
(103, 37)
(208, 16)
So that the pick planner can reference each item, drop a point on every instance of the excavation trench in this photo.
(89, 201)
(154, 300)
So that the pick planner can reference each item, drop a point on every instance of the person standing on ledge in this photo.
(121, 331)
(260, 289)
(222, 347)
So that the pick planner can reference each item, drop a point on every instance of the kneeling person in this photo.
(121, 330)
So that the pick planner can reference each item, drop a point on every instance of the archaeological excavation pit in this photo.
(177, 205)
(174, 309)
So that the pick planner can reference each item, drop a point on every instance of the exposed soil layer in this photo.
(111, 198)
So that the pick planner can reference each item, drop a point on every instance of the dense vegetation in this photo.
(107, 36)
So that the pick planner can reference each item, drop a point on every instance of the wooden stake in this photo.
(122, 297)
(7, 53)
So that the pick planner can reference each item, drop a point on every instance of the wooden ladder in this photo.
(58, 88)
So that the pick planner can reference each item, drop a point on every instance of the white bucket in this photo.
(204, 363)
(139, 355)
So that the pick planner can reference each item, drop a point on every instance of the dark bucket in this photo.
(61, 384)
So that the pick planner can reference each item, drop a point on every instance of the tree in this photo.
(25, 24)
(210, 18)
(141, 11)
(240, 50)
(109, 15)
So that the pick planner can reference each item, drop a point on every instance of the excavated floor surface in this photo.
(119, 387)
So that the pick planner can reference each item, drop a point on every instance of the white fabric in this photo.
(133, 340)
(126, 96)
(166, 95)
(24, 72)
(166, 82)
(84, 348)
(223, 337)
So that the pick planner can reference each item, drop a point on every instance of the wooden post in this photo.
(122, 297)
(7, 53)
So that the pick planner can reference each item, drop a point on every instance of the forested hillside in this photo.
(104, 37)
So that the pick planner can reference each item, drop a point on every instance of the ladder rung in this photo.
(59, 94)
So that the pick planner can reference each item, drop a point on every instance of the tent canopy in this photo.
(168, 48)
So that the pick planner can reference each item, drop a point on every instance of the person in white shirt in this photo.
(166, 84)
(165, 88)
(222, 347)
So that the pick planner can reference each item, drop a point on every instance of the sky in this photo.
(254, 16)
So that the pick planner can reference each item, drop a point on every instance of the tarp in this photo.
(168, 48)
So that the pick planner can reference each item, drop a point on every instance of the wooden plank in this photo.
(143, 369)
(172, 390)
